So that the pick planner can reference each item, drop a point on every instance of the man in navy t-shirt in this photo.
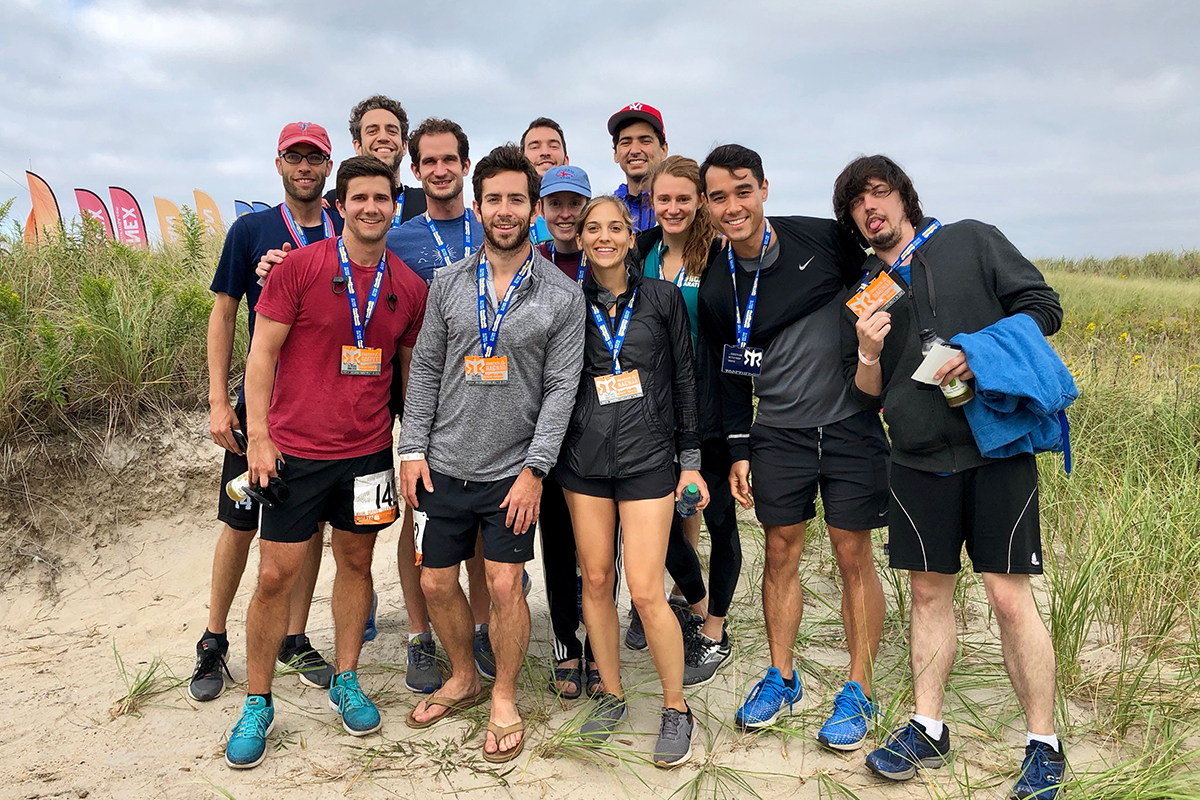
(303, 162)
(448, 231)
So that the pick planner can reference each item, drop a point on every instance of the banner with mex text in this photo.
(91, 207)
(131, 226)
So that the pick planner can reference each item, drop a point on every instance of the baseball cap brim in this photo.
(617, 120)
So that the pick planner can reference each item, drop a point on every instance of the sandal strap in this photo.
(500, 731)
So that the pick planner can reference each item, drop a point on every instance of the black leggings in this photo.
(725, 560)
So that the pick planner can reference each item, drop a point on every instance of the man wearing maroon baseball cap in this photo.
(639, 142)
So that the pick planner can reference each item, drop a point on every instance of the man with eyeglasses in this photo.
(303, 162)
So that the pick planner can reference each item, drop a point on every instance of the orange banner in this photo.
(45, 208)
(206, 209)
(31, 229)
(167, 212)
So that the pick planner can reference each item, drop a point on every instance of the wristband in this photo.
(861, 358)
(412, 456)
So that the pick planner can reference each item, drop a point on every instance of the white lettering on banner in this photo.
(129, 224)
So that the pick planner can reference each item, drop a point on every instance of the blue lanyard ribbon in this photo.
(487, 336)
(910, 248)
(444, 251)
(743, 326)
(398, 217)
(581, 273)
(613, 343)
(297, 232)
(681, 275)
(360, 323)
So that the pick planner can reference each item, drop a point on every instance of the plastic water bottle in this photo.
(957, 392)
(685, 506)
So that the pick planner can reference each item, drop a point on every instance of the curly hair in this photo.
(370, 104)
(702, 232)
(861, 171)
(432, 126)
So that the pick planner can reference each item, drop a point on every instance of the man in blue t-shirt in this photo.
(448, 231)
(545, 145)
(304, 163)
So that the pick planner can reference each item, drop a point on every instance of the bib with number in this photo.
(361, 360)
(375, 498)
(486, 370)
(615, 388)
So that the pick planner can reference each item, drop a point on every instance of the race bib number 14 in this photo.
(375, 498)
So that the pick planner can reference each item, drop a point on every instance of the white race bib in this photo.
(375, 498)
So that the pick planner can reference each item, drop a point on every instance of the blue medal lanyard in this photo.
(613, 343)
(910, 248)
(743, 326)
(297, 232)
(582, 273)
(398, 217)
(487, 336)
(681, 276)
(360, 323)
(443, 251)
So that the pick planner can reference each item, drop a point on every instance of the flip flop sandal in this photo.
(500, 731)
(594, 683)
(567, 675)
(451, 707)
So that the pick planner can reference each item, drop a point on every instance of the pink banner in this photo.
(131, 227)
(92, 207)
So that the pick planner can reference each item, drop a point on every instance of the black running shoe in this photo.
(310, 666)
(208, 679)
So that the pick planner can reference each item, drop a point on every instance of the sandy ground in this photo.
(141, 591)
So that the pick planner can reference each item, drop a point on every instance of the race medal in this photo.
(486, 371)
(742, 361)
(375, 498)
(882, 288)
(615, 388)
(361, 360)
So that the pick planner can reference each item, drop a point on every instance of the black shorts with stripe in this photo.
(992, 509)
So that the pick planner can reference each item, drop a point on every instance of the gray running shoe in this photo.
(313, 670)
(485, 659)
(635, 636)
(702, 657)
(602, 719)
(422, 675)
(208, 679)
(674, 745)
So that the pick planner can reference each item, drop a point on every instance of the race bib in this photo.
(481, 371)
(361, 360)
(882, 288)
(742, 361)
(615, 388)
(420, 518)
(375, 498)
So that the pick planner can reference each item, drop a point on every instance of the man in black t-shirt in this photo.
(775, 325)
(304, 163)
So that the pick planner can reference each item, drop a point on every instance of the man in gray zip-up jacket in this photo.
(490, 392)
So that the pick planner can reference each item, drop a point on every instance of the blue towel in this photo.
(1022, 390)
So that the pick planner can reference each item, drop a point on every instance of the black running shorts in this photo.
(241, 515)
(352, 494)
(847, 461)
(993, 509)
(644, 486)
(450, 518)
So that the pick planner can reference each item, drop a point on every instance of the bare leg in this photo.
(594, 519)
(477, 585)
(933, 639)
(306, 584)
(1028, 651)
(279, 567)
(410, 577)
(451, 615)
(783, 603)
(352, 588)
(229, 562)
(862, 601)
(509, 632)
(647, 526)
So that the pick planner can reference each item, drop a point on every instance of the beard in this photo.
(886, 238)
(512, 242)
(303, 195)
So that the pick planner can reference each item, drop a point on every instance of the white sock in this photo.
(412, 637)
(479, 627)
(1051, 740)
(933, 727)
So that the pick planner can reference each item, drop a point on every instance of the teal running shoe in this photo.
(247, 745)
(358, 714)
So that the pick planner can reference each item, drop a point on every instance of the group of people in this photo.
(574, 362)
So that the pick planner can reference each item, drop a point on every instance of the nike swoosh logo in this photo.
(806, 263)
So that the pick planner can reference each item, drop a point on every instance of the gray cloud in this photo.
(1070, 125)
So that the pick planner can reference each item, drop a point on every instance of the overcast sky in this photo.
(1073, 126)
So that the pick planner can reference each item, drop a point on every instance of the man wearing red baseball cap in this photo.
(639, 142)
(303, 161)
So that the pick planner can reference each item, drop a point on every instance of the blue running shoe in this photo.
(526, 583)
(1042, 773)
(369, 632)
(485, 659)
(765, 703)
(906, 749)
(247, 745)
(846, 728)
(359, 715)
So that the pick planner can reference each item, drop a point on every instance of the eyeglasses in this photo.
(316, 159)
(879, 192)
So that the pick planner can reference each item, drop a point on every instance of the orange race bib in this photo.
(361, 360)
(615, 388)
(486, 371)
(882, 288)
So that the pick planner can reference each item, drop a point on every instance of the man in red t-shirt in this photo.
(330, 319)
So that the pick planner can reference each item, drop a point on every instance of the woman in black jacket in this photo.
(634, 414)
